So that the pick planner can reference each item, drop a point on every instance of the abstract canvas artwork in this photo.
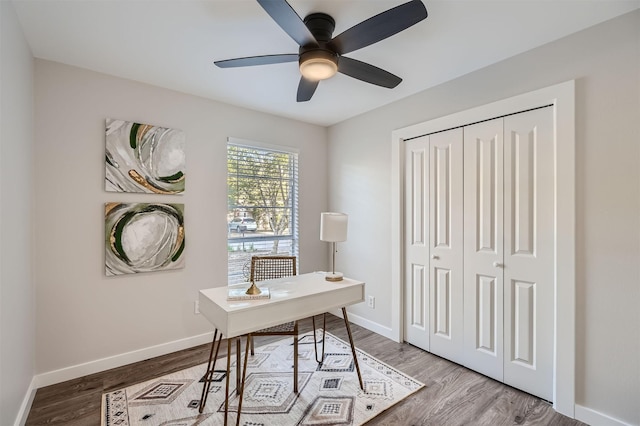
(144, 158)
(143, 237)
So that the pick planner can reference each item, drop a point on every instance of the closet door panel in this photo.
(446, 243)
(442, 303)
(416, 246)
(529, 251)
(483, 248)
(486, 308)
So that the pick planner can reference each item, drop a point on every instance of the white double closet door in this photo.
(479, 247)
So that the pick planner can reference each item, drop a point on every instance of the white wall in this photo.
(83, 315)
(605, 61)
(17, 308)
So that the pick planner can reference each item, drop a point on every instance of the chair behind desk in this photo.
(269, 267)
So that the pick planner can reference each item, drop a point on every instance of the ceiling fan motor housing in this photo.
(318, 62)
(321, 26)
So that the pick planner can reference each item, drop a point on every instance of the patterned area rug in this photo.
(329, 394)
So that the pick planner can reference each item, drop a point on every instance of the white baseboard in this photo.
(368, 324)
(73, 372)
(595, 418)
(25, 407)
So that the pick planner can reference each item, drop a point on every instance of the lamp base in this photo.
(333, 276)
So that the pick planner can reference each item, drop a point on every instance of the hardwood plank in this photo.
(453, 394)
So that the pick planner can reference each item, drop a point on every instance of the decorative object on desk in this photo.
(144, 158)
(333, 229)
(143, 237)
(253, 289)
(242, 293)
(328, 394)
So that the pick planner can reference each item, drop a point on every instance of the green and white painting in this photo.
(144, 158)
(143, 237)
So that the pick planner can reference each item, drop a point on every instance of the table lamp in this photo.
(333, 229)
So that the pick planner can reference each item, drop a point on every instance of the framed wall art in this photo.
(143, 237)
(144, 158)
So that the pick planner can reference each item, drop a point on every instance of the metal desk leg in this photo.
(244, 374)
(211, 365)
(238, 345)
(295, 358)
(353, 348)
(208, 377)
(315, 345)
(226, 392)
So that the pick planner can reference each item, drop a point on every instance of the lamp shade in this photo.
(333, 227)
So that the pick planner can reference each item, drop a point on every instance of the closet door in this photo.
(416, 242)
(483, 248)
(479, 247)
(446, 244)
(529, 251)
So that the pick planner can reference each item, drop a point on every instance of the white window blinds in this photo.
(262, 217)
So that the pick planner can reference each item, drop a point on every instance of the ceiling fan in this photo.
(320, 56)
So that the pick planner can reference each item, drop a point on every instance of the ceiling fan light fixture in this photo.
(318, 65)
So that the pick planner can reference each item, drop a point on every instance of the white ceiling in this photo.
(173, 43)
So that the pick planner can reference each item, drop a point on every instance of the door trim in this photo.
(562, 97)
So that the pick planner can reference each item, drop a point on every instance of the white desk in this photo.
(292, 298)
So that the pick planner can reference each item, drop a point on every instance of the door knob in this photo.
(435, 257)
(498, 264)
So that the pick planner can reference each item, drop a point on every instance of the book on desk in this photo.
(241, 294)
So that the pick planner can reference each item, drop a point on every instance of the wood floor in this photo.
(453, 395)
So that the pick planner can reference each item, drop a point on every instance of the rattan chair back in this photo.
(268, 267)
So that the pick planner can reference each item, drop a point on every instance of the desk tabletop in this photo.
(292, 298)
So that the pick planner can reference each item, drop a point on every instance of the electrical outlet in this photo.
(371, 302)
(196, 307)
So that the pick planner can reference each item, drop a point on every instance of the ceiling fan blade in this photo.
(306, 89)
(379, 27)
(287, 18)
(367, 72)
(257, 60)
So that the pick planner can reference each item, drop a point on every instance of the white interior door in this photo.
(416, 242)
(483, 248)
(446, 244)
(529, 251)
(479, 245)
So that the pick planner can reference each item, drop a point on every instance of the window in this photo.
(262, 194)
